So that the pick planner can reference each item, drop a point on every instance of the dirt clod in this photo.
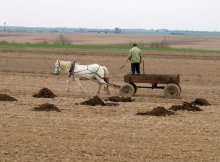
(46, 107)
(200, 102)
(45, 93)
(97, 101)
(186, 106)
(158, 111)
(119, 99)
(5, 97)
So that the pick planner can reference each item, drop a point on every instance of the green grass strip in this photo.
(4, 44)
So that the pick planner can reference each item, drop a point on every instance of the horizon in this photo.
(187, 30)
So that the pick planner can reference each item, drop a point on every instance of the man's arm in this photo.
(129, 55)
(141, 56)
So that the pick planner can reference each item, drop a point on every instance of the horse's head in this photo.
(57, 67)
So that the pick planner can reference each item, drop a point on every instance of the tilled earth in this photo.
(107, 133)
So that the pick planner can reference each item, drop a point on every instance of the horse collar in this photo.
(72, 68)
(59, 65)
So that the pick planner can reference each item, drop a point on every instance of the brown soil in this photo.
(46, 107)
(119, 99)
(45, 93)
(5, 97)
(82, 133)
(186, 106)
(201, 102)
(111, 104)
(158, 111)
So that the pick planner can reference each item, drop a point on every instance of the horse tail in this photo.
(106, 79)
(106, 74)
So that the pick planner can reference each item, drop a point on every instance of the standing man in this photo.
(135, 57)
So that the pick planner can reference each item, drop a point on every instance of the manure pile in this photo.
(46, 107)
(185, 106)
(158, 111)
(45, 93)
(95, 101)
(119, 99)
(5, 97)
(200, 102)
(192, 106)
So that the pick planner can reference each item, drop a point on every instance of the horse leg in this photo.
(106, 86)
(105, 82)
(99, 88)
(68, 82)
(107, 89)
(106, 79)
(79, 83)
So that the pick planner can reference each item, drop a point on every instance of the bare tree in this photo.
(62, 39)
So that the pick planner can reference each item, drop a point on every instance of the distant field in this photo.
(116, 47)
(119, 40)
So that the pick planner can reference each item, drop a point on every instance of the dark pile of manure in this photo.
(200, 102)
(5, 97)
(185, 106)
(119, 99)
(158, 111)
(45, 93)
(46, 107)
(95, 101)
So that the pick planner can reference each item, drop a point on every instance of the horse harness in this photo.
(59, 66)
(72, 70)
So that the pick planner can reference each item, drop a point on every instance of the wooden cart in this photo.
(169, 83)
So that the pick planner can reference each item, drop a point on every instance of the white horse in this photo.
(95, 72)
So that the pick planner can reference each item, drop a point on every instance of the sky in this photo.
(203, 15)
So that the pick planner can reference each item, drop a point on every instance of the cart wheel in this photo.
(135, 87)
(127, 90)
(172, 91)
(180, 88)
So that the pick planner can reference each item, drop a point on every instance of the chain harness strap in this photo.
(59, 67)
(97, 71)
(72, 70)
